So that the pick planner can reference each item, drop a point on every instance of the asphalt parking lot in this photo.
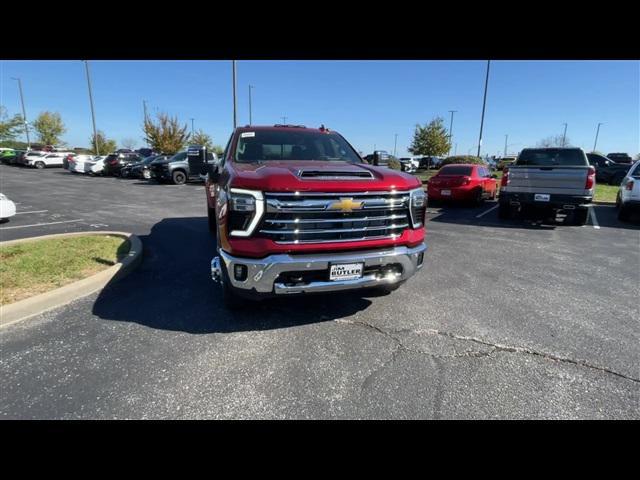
(509, 319)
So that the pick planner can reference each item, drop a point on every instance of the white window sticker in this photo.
(247, 134)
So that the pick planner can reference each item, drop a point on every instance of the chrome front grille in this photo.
(334, 217)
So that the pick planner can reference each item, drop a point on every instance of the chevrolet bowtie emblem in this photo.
(346, 205)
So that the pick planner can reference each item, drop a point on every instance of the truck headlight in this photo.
(418, 207)
(245, 211)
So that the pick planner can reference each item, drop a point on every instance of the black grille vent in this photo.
(335, 175)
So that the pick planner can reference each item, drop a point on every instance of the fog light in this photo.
(240, 272)
(420, 258)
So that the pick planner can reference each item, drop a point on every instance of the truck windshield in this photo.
(264, 145)
(552, 157)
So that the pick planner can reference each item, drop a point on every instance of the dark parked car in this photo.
(147, 152)
(183, 166)
(607, 171)
(620, 158)
(14, 158)
(114, 162)
(141, 169)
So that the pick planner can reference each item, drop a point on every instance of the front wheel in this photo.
(624, 213)
(40, 165)
(179, 177)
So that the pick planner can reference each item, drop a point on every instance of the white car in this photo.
(80, 163)
(7, 208)
(45, 159)
(98, 165)
(628, 198)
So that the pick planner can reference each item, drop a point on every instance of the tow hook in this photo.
(216, 271)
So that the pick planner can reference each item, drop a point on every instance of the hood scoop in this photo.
(335, 174)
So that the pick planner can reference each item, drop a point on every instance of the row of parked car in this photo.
(143, 164)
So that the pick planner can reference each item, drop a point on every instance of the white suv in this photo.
(628, 199)
(45, 159)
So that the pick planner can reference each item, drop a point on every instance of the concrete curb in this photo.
(15, 312)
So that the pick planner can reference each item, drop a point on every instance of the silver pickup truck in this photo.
(558, 179)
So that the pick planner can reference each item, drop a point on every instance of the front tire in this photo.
(40, 165)
(179, 177)
(624, 213)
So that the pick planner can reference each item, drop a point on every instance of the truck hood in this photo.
(317, 175)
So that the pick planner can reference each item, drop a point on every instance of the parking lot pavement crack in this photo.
(494, 347)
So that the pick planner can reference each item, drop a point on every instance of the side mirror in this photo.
(212, 168)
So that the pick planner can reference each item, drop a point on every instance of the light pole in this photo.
(93, 115)
(564, 135)
(192, 130)
(451, 130)
(597, 132)
(395, 144)
(235, 105)
(506, 137)
(24, 113)
(284, 120)
(455, 152)
(250, 119)
(484, 103)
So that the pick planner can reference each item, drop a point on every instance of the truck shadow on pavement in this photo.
(172, 290)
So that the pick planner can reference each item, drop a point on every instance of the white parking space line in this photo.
(41, 224)
(487, 211)
(594, 219)
(32, 211)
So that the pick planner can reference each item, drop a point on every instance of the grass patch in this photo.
(604, 193)
(31, 268)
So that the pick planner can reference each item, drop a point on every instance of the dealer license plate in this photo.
(345, 271)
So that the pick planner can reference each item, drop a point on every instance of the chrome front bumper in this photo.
(262, 273)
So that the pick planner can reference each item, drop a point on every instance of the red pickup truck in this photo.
(297, 210)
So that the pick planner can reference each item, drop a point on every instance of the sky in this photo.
(368, 102)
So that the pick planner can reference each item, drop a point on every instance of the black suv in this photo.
(607, 171)
(620, 158)
(114, 162)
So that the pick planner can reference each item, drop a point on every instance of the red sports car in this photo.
(463, 182)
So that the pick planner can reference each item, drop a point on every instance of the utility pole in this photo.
(564, 135)
(93, 115)
(597, 132)
(24, 113)
(455, 152)
(192, 131)
(506, 137)
(235, 105)
(250, 119)
(284, 120)
(451, 130)
(144, 108)
(395, 143)
(484, 103)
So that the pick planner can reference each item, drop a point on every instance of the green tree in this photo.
(431, 139)
(10, 128)
(217, 149)
(105, 146)
(49, 127)
(166, 134)
(201, 138)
